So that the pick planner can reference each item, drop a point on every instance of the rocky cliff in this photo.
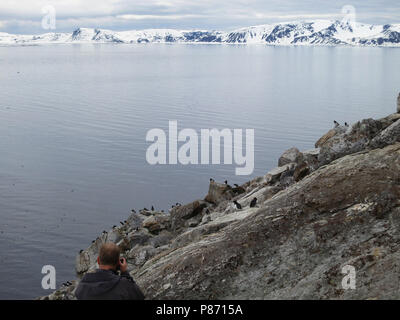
(318, 211)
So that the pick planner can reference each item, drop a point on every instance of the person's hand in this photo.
(123, 265)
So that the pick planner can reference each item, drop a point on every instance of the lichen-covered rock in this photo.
(398, 103)
(289, 156)
(87, 259)
(301, 171)
(331, 133)
(276, 174)
(218, 192)
(161, 239)
(140, 254)
(134, 220)
(353, 140)
(365, 134)
(194, 222)
(156, 223)
(84, 260)
(66, 292)
(146, 213)
(310, 157)
(388, 136)
(138, 237)
(295, 245)
(338, 205)
(197, 233)
(388, 120)
(181, 214)
(262, 193)
(124, 236)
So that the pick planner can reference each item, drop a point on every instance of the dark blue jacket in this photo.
(108, 285)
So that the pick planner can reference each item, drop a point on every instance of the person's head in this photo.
(108, 256)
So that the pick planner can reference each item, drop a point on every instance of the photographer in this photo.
(106, 283)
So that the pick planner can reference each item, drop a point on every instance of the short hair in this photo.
(109, 254)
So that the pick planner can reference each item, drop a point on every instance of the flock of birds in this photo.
(238, 206)
(337, 124)
(235, 204)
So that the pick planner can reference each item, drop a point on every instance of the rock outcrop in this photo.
(365, 134)
(290, 155)
(320, 210)
(398, 104)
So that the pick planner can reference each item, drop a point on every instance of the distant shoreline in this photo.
(303, 33)
(43, 44)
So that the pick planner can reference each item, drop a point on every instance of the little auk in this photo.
(253, 203)
(237, 204)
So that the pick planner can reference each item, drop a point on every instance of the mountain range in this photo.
(318, 32)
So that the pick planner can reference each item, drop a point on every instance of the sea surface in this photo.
(74, 119)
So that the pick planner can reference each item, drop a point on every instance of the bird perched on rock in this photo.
(346, 124)
(226, 181)
(336, 123)
(152, 208)
(253, 203)
(80, 251)
(133, 211)
(237, 205)
(211, 180)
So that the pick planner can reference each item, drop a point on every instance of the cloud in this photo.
(24, 16)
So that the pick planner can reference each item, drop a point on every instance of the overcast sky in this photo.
(25, 16)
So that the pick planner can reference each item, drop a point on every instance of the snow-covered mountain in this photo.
(319, 32)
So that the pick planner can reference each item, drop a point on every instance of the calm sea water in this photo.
(73, 122)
